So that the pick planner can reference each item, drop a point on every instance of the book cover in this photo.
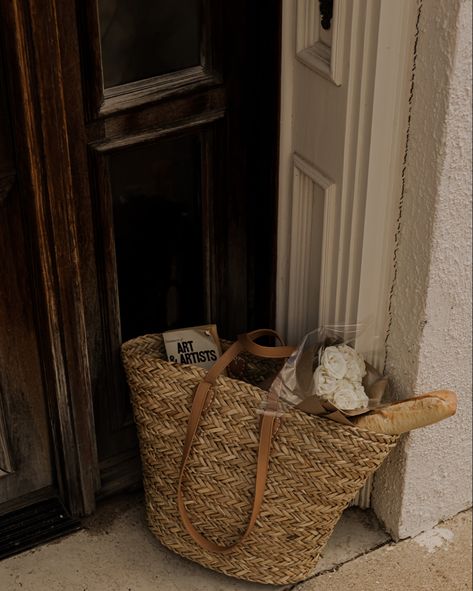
(196, 345)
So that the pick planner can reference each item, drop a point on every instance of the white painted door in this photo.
(344, 115)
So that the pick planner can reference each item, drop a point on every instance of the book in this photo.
(196, 345)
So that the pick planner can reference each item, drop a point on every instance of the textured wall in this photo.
(428, 478)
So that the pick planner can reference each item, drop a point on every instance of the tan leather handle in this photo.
(247, 341)
(201, 400)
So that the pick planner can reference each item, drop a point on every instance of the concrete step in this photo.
(116, 552)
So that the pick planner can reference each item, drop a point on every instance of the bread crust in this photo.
(410, 414)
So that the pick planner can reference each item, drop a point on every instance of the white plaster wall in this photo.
(428, 477)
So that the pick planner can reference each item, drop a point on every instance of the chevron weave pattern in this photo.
(316, 468)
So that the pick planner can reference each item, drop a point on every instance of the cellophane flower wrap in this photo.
(327, 376)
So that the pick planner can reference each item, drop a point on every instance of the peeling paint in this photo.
(434, 538)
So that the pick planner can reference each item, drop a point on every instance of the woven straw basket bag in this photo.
(251, 495)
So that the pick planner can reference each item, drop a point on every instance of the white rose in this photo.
(325, 384)
(362, 398)
(334, 362)
(345, 397)
(349, 396)
(353, 371)
(355, 362)
(361, 364)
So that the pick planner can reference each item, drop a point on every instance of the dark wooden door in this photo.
(42, 472)
(48, 457)
(149, 133)
(179, 119)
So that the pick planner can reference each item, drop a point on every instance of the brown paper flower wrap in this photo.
(376, 387)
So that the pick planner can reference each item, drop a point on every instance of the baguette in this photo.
(409, 414)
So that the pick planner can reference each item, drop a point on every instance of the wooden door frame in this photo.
(39, 118)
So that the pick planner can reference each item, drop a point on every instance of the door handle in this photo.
(326, 13)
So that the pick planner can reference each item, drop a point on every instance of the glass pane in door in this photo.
(145, 38)
(158, 235)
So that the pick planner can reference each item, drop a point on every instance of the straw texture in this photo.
(316, 468)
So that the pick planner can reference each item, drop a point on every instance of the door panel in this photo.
(26, 463)
(181, 149)
(144, 38)
(156, 193)
(50, 301)
(152, 217)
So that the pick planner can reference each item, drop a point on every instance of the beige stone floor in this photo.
(115, 552)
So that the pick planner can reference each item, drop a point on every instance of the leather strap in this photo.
(247, 341)
(202, 399)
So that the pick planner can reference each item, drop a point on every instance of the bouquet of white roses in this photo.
(338, 378)
(326, 376)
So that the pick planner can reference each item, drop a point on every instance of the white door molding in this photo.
(313, 211)
(389, 126)
(318, 49)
